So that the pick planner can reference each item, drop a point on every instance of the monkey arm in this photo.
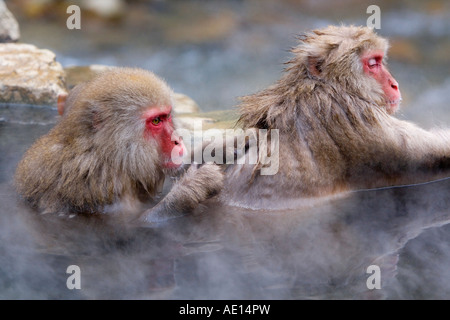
(401, 153)
(195, 186)
(423, 150)
(226, 150)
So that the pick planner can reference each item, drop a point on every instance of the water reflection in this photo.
(228, 253)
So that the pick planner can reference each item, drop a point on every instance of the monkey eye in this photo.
(156, 121)
(373, 62)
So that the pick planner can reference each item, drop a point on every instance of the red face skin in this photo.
(373, 66)
(159, 126)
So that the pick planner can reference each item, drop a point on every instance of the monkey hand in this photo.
(199, 183)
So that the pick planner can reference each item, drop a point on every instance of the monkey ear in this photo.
(96, 120)
(61, 104)
(93, 114)
(314, 66)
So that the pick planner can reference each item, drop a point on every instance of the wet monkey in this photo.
(334, 109)
(110, 152)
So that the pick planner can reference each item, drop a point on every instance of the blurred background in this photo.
(215, 50)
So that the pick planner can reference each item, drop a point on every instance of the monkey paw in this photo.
(199, 183)
(205, 180)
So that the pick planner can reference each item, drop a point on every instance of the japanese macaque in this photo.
(334, 109)
(110, 152)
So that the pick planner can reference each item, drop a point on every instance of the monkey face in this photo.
(374, 66)
(159, 127)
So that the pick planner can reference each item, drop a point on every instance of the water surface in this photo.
(226, 253)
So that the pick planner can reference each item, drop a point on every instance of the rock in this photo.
(29, 75)
(9, 28)
(184, 104)
(221, 120)
(193, 123)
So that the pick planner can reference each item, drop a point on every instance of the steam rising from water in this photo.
(226, 253)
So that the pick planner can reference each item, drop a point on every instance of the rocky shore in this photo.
(33, 76)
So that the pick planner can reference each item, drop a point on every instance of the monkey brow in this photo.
(152, 113)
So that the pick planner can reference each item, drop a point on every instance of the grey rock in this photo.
(9, 28)
(184, 104)
(29, 75)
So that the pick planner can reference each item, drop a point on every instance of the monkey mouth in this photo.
(393, 105)
(172, 164)
(394, 102)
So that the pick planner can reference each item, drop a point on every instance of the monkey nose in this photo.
(394, 84)
(177, 141)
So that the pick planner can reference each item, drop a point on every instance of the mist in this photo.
(320, 251)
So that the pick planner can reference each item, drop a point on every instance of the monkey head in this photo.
(115, 141)
(126, 114)
(352, 57)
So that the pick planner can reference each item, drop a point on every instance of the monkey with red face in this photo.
(334, 109)
(110, 152)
